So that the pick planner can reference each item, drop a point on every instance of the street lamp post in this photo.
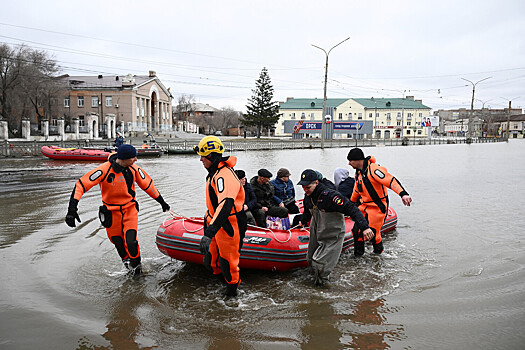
(472, 104)
(325, 81)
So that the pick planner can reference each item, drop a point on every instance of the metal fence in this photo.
(32, 148)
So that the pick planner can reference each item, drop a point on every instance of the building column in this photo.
(148, 115)
(61, 130)
(3, 130)
(76, 128)
(45, 128)
(111, 126)
(26, 129)
(92, 126)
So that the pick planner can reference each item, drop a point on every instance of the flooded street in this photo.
(452, 274)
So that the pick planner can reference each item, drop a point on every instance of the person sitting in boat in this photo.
(267, 203)
(225, 220)
(119, 140)
(325, 209)
(343, 182)
(249, 197)
(324, 180)
(285, 190)
(371, 188)
(119, 212)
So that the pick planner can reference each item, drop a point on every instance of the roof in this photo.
(395, 103)
(110, 82)
(512, 118)
(311, 103)
(201, 107)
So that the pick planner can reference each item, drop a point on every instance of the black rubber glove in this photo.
(72, 212)
(205, 244)
(71, 217)
(165, 206)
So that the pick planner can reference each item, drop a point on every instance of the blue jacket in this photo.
(346, 187)
(283, 189)
(249, 196)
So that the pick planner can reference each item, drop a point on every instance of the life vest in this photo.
(220, 187)
(117, 184)
(372, 185)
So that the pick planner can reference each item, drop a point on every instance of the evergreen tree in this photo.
(261, 111)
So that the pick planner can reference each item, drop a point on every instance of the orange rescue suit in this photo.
(117, 186)
(371, 184)
(225, 219)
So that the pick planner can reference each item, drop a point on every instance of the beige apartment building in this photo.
(390, 117)
(135, 103)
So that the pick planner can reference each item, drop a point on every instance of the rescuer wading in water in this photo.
(119, 212)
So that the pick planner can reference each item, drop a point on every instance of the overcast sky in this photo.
(215, 50)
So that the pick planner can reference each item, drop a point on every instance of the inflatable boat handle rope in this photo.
(174, 214)
(183, 218)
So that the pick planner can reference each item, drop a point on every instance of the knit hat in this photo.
(264, 173)
(355, 154)
(282, 173)
(307, 177)
(126, 152)
(240, 174)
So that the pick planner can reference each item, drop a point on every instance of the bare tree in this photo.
(27, 85)
(227, 118)
(184, 109)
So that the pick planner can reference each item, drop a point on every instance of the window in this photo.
(408, 123)
(109, 101)
(408, 132)
(377, 115)
(312, 116)
(360, 116)
(398, 124)
(81, 120)
(293, 115)
(350, 116)
(81, 101)
(388, 116)
(303, 115)
(66, 102)
(369, 115)
(94, 101)
(340, 116)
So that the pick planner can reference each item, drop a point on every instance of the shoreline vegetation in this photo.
(17, 148)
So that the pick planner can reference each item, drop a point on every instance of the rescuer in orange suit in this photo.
(119, 212)
(225, 221)
(371, 184)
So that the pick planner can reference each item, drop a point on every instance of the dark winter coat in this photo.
(283, 190)
(265, 194)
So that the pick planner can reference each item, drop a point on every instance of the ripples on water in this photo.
(453, 267)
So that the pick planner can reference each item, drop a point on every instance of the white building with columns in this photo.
(128, 104)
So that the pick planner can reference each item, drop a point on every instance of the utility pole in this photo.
(323, 122)
(472, 104)
(508, 114)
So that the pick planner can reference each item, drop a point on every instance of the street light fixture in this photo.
(472, 103)
(325, 80)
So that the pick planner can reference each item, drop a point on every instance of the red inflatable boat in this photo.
(91, 154)
(263, 249)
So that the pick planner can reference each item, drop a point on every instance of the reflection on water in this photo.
(453, 266)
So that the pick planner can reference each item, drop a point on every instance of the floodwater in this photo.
(452, 275)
